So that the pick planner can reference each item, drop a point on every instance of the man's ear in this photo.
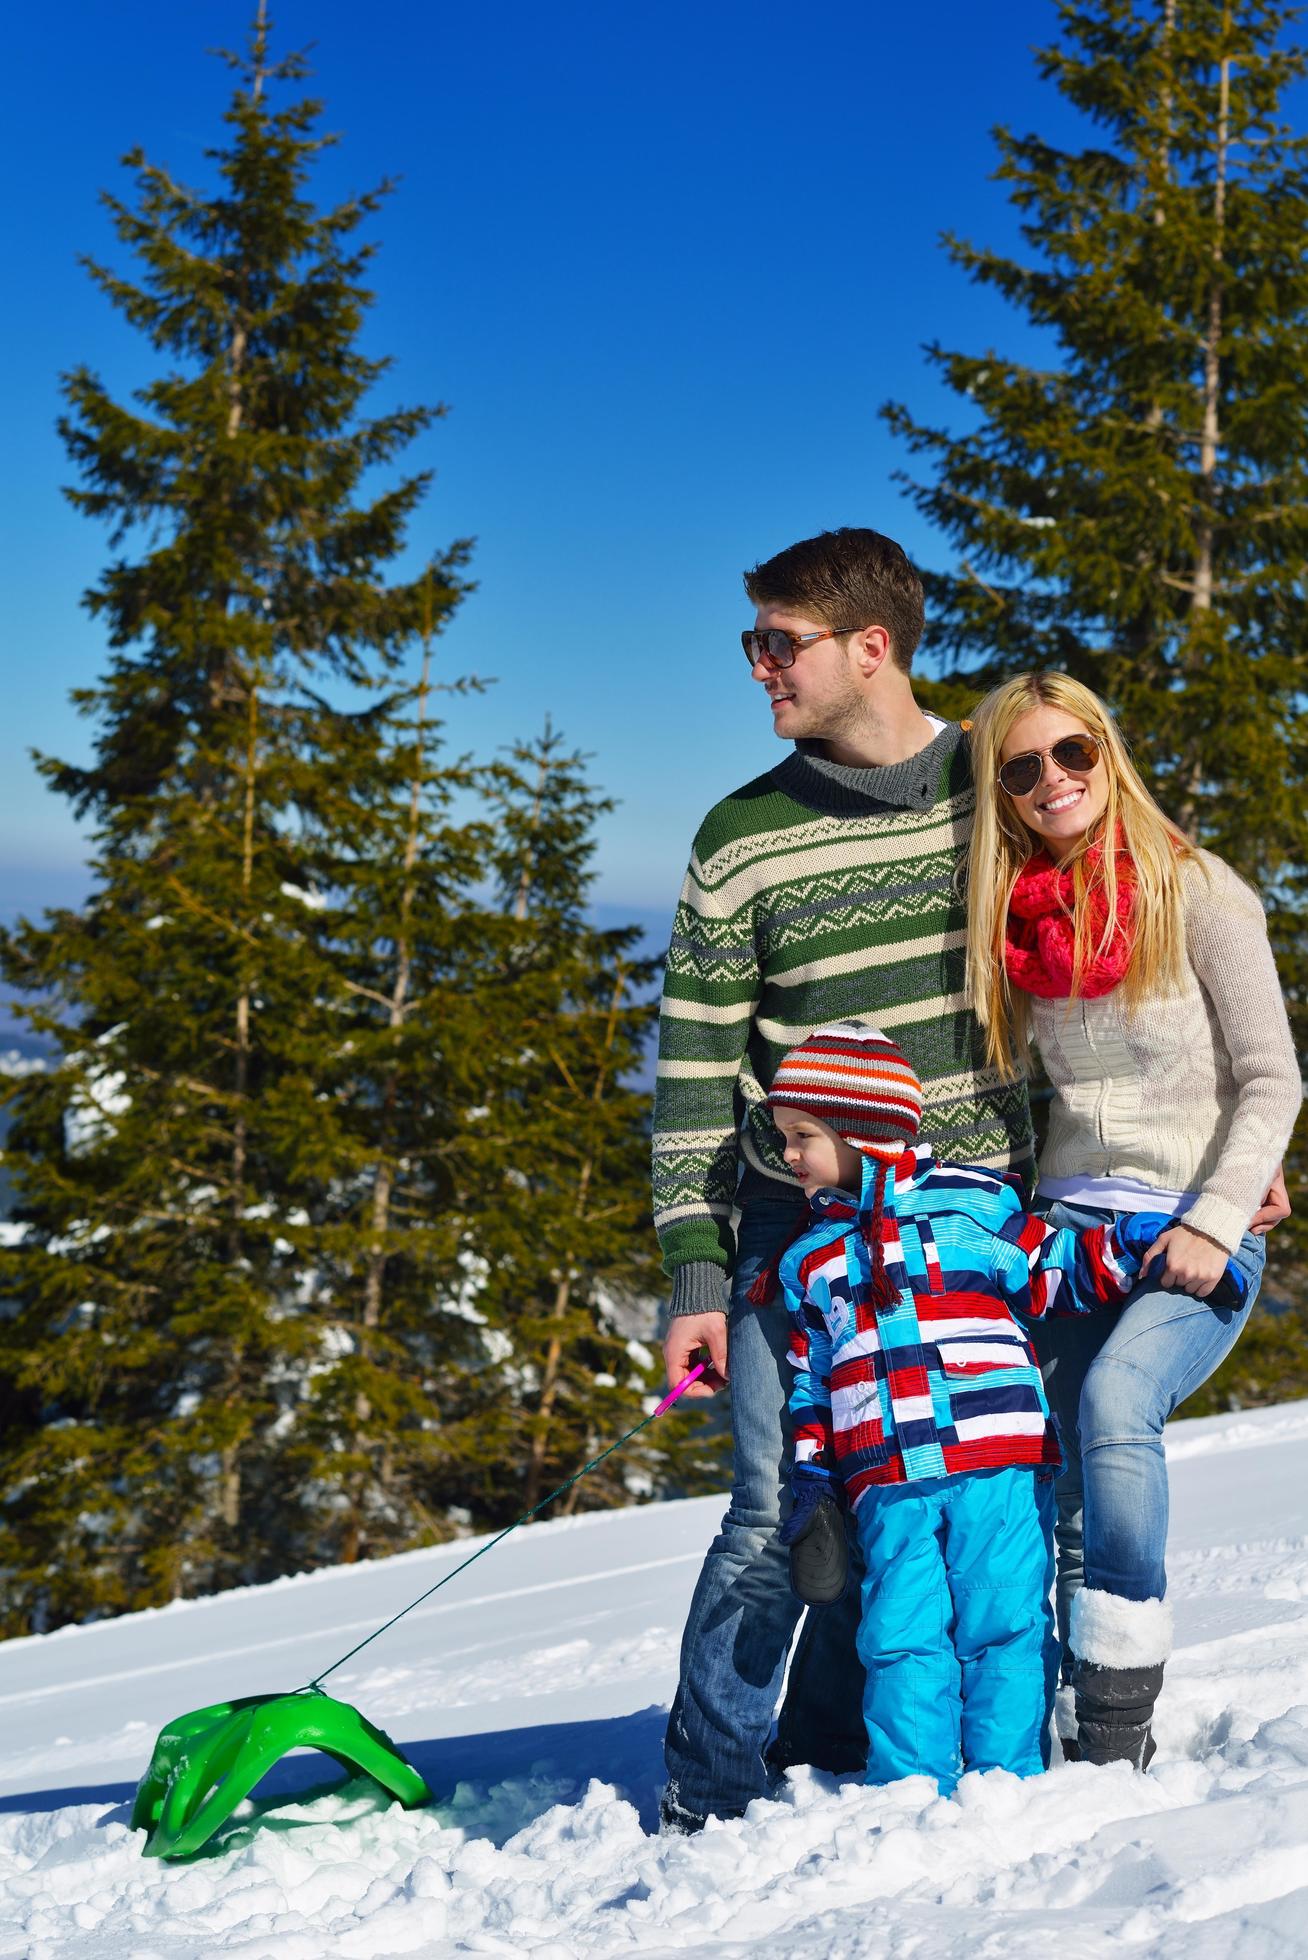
(871, 648)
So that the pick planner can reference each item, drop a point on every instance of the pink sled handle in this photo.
(680, 1389)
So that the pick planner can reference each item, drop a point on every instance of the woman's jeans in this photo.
(1113, 1377)
(743, 1614)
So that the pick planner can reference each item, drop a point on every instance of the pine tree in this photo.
(1135, 510)
(177, 1205)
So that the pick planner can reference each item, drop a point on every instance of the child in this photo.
(917, 1402)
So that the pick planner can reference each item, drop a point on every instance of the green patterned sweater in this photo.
(815, 893)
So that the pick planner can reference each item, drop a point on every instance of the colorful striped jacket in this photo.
(944, 1380)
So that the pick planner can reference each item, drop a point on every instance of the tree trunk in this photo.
(538, 1448)
(241, 1059)
(384, 1174)
(1210, 439)
(1201, 598)
(528, 867)
(230, 1483)
(397, 1010)
(571, 1499)
(1166, 104)
(229, 1500)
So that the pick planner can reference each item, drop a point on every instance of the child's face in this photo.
(815, 1153)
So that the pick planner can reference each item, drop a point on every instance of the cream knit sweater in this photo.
(1197, 1090)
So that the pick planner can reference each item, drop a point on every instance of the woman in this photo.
(1139, 966)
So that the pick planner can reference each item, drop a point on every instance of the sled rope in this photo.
(314, 1686)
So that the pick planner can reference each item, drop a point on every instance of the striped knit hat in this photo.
(857, 1080)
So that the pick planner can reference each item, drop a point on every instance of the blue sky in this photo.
(663, 263)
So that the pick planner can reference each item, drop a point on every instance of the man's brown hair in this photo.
(849, 579)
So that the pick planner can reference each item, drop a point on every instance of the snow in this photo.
(13, 1062)
(92, 1107)
(531, 1694)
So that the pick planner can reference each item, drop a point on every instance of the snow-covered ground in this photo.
(531, 1695)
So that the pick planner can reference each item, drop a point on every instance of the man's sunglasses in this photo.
(777, 649)
(1020, 774)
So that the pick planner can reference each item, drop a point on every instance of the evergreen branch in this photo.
(562, 1068)
(1218, 588)
(204, 911)
(207, 1091)
(989, 590)
(367, 993)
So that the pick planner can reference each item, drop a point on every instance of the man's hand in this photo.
(1190, 1262)
(1275, 1206)
(687, 1334)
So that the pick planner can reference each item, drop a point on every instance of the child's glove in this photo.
(1135, 1232)
(815, 1535)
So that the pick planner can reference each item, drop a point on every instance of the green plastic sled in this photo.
(206, 1763)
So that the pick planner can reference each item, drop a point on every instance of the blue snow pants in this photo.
(957, 1632)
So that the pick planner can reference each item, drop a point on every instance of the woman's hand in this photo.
(1191, 1263)
(1274, 1208)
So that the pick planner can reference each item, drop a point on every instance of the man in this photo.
(829, 887)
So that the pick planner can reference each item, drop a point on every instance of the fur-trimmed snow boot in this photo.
(1119, 1648)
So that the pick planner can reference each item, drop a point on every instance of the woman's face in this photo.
(1064, 803)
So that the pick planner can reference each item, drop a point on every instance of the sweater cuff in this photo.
(1217, 1218)
(700, 1287)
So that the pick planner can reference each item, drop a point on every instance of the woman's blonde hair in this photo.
(1002, 844)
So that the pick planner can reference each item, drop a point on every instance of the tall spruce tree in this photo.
(178, 1210)
(1134, 509)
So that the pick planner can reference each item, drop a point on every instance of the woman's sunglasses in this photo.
(1078, 753)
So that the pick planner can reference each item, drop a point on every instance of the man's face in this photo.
(822, 694)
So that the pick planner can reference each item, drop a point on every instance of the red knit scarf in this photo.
(1040, 933)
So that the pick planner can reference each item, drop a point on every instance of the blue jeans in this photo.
(1113, 1377)
(743, 1615)
(957, 1634)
